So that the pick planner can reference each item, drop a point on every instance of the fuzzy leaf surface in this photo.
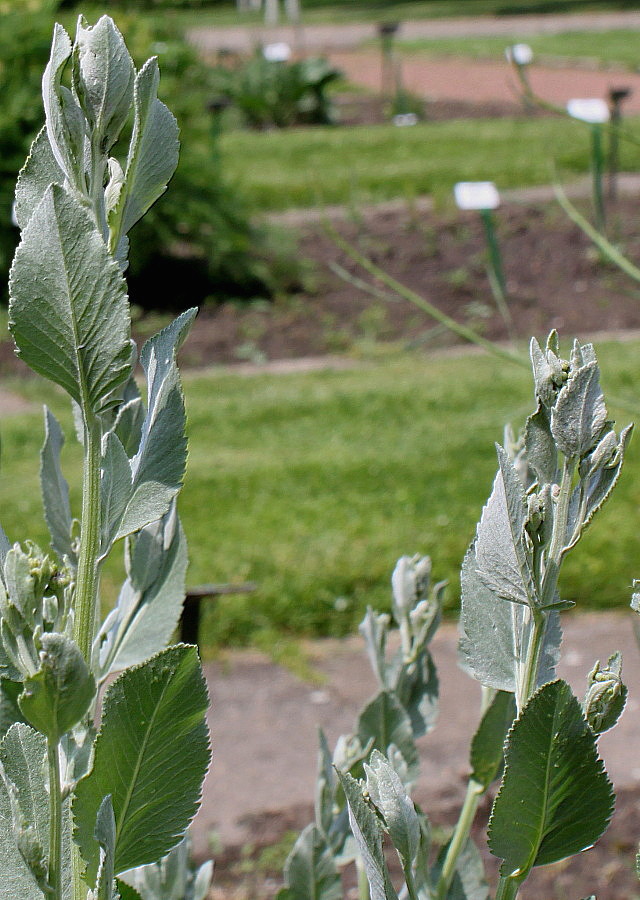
(310, 871)
(151, 599)
(555, 799)
(16, 881)
(39, 171)
(579, 414)
(68, 308)
(55, 490)
(153, 722)
(367, 832)
(488, 631)
(384, 722)
(390, 796)
(153, 153)
(158, 467)
(59, 694)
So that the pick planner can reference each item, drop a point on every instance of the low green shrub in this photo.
(277, 93)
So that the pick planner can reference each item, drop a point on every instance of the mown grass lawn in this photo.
(312, 485)
(328, 165)
(607, 47)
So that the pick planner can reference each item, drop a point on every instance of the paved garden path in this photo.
(264, 722)
(350, 35)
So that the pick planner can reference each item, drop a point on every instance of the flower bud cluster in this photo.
(606, 695)
(35, 598)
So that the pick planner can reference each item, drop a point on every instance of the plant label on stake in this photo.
(594, 112)
(483, 196)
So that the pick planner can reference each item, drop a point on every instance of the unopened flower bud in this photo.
(606, 695)
(409, 582)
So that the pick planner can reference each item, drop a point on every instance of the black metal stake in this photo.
(616, 98)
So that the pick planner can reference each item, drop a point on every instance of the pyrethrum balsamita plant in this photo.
(82, 804)
(555, 799)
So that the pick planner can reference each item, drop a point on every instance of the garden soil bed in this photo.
(554, 277)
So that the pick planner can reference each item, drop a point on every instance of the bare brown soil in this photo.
(554, 277)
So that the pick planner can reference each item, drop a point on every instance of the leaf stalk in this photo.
(54, 873)
(87, 584)
(459, 838)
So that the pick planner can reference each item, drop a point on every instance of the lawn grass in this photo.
(367, 164)
(312, 485)
(615, 47)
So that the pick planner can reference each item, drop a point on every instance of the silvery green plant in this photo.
(104, 743)
(555, 799)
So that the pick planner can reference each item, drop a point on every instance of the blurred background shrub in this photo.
(270, 93)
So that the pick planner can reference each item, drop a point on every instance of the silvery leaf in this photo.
(542, 453)
(150, 602)
(68, 306)
(65, 121)
(103, 78)
(580, 413)
(490, 648)
(389, 795)
(158, 467)
(153, 153)
(39, 171)
(500, 551)
(55, 490)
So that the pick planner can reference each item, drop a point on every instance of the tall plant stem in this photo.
(54, 873)
(508, 887)
(459, 838)
(87, 583)
(363, 881)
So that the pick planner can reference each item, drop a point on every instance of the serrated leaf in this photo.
(469, 881)
(367, 832)
(103, 78)
(489, 646)
(579, 414)
(39, 171)
(158, 467)
(23, 754)
(150, 601)
(60, 693)
(126, 891)
(55, 490)
(417, 689)
(68, 305)
(153, 152)
(500, 555)
(153, 722)
(388, 793)
(542, 453)
(382, 723)
(487, 746)
(555, 799)
(10, 713)
(310, 871)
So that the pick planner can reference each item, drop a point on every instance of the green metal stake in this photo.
(597, 167)
(495, 270)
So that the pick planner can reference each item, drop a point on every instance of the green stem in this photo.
(459, 838)
(87, 583)
(597, 157)
(536, 642)
(559, 535)
(363, 881)
(54, 873)
(496, 270)
(508, 887)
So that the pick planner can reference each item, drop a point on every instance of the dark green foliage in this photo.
(280, 94)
